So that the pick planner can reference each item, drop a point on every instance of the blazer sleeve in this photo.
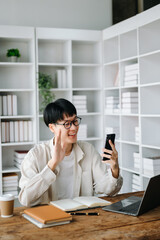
(34, 182)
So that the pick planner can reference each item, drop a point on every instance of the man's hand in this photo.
(113, 156)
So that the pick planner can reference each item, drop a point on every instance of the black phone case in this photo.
(107, 145)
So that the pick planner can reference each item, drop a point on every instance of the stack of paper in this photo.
(131, 74)
(82, 133)
(18, 158)
(129, 102)
(61, 78)
(136, 161)
(80, 103)
(109, 130)
(8, 105)
(112, 104)
(151, 166)
(136, 183)
(137, 134)
(10, 183)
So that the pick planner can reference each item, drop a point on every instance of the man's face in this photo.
(69, 135)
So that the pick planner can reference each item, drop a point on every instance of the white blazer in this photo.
(91, 176)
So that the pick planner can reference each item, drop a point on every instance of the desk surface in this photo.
(107, 225)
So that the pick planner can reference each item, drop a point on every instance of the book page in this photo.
(68, 204)
(92, 201)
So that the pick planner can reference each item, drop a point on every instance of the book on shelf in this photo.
(10, 183)
(129, 94)
(47, 216)
(131, 72)
(61, 78)
(18, 158)
(131, 67)
(4, 104)
(79, 203)
(1, 105)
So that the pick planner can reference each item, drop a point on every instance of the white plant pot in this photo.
(13, 59)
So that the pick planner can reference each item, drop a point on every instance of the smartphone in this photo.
(107, 145)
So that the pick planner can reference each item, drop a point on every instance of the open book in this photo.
(80, 203)
(46, 216)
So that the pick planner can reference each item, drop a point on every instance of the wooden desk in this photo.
(105, 226)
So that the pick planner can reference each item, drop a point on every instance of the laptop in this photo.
(136, 206)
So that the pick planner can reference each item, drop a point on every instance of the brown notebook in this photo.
(48, 214)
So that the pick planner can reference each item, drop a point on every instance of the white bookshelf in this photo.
(79, 53)
(17, 78)
(95, 63)
(134, 41)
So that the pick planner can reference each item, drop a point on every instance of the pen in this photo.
(83, 213)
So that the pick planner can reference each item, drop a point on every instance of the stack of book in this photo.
(111, 104)
(82, 133)
(136, 183)
(109, 130)
(151, 166)
(61, 78)
(8, 105)
(80, 103)
(16, 131)
(10, 183)
(137, 134)
(18, 158)
(46, 216)
(131, 74)
(129, 102)
(136, 161)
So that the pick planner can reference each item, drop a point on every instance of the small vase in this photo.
(13, 59)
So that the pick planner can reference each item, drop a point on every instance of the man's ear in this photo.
(51, 127)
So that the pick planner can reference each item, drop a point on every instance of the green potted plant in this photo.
(13, 54)
(45, 85)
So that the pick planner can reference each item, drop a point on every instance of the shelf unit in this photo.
(79, 53)
(94, 63)
(17, 78)
(134, 41)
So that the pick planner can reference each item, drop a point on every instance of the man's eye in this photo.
(67, 124)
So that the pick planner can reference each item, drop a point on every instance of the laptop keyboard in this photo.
(133, 208)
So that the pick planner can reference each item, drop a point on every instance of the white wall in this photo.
(79, 14)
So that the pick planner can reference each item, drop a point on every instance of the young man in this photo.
(64, 167)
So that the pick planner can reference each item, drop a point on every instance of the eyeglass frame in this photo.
(71, 122)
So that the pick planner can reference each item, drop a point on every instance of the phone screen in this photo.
(107, 145)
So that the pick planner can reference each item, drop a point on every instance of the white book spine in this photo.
(59, 78)
(5, 111)
(16, 131)
(21, 131)
(64, 79)
(12, 131)
(3, 132)
(131, 67)
(9, 105)
(14, 105)
(30, 131)
(25, 131)
(1, 106)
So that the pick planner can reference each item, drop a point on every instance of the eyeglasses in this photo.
(68, 123)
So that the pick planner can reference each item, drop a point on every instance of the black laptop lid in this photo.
(151, 198)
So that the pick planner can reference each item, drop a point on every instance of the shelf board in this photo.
(16, 64)
(86, 89)
(90, 114)
(111, 88)
(17, 144)
(54, 64)
(10, 169)
(90, 139)
(149, 53)
(150, 84)
(129, 142)
(111, 63)
(86, 65)
(128, 58)
(17, 117)
(150, 115)
(150, 146)
(130, 170)
(17, 90)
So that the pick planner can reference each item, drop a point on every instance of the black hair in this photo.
(56, 110)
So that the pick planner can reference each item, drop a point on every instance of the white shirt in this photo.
(65, 177)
